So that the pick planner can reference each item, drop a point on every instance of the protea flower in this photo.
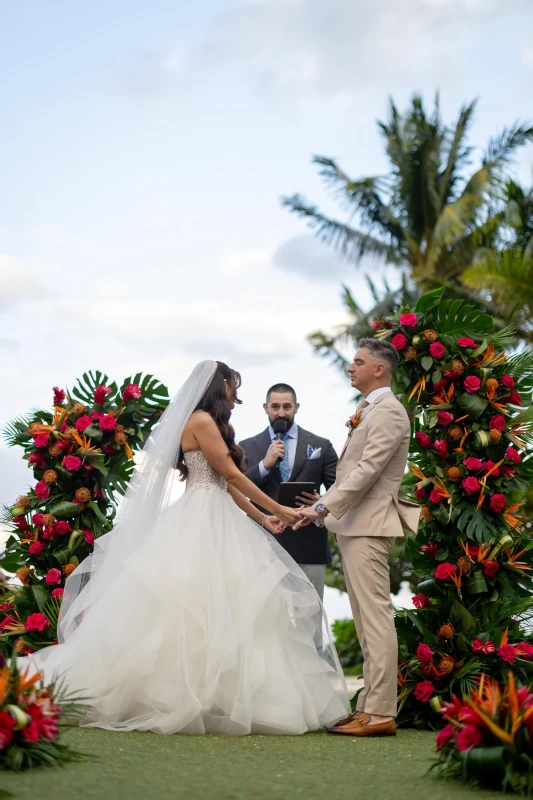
(455, 432)
(430, 335)
(458, 366)
(446, 631)
(410, 353)
(23, 574)
(78, 408)
(49, 519)
(425, 513)
(23, 501)
(446, 665)
(465, 564)
(454, 473)
(68, 569)
(83, 495)
(495, 435)
(55, 450)
(50, 476)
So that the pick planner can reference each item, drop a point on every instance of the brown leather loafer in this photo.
(346, 721)
(360, 727)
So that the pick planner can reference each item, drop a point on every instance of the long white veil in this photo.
(146, 499)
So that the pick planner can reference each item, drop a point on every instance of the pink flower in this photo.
(524, 650)
(38, 520)
(436, 496)
(421, 601)
(508, 471)
(96, 415)
(471, 485)
(472, 384)
(408, 320)
(445, 418)
(469, 737)
(399, 341)
(420, 493)
(487, 648)
(497, 422)
(57, 594)
(72, 463)
(507, 652)
(472, 463)
(440, 385)
(37, 622)
(42, 439)
(437, 349)
(507, 381)
(424, 654)
(376, 325)
(445, 571)
(488, 466)
(53, 576)
(83, 423)
(36, 548)
(42, 490)
(473, 550)
(88, 536)
(466, 341)
(100, 394)
(63, 527)
(498, 502)
(107, 422)
(131, 392)
(59, 396)
(441, 447)
(109, 451)
(423, 439)
(49, 533)
(445, 736)
(513, 455)
(431, 548)
(490, 568)
(7, 726)
(37, 460)
(423, 691)
(514, 398)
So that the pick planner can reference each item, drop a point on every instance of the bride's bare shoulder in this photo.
(198, 420)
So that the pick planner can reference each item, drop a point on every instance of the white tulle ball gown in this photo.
(205, 626)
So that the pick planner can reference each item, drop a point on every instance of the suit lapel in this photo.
(300, 456)
(366, 411)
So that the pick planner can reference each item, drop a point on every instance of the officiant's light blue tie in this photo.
(284, 465)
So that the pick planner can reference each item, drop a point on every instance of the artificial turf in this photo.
(142, 766)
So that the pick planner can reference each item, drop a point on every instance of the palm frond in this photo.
(458, 154)
(508, 279)
(501, 148)
(14, 429)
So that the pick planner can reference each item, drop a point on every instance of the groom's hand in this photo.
(307, 516)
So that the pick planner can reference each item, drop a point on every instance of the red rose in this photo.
(514, 398)
(83, 423)
(399, 341)
(441, 447)
(131, 392)
(88, 536)
(57, 594)
(424, 654)
(472, 384)
(513, 455)
(466, 341)
(7, 726)
(107, 422)
(37, 460)
(508, 471)
(408, 320)
(507, 381)
(423, 691)
(491, 465)
(420, 493)
(440, 385)
(431, 549)
(72, 463)
(472, 463)
(524, 650)
(59, 396)
(42, 490)
(37, 622)
(62, 527)
(498, 502)
(41, 440)
(376, 325)
(471, 485)
(423, 439)
(53, 576)
(437, 349)
(421, 601)
(507, 652)
(436, 496)
(490, 568)
(36, 548)
(444, 418)
(100, 394)
(445, 736)
(469, 737)
(497, 422)
(445, 571)
(487, 648)
(38, 520)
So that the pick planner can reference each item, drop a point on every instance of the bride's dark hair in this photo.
(215, 402)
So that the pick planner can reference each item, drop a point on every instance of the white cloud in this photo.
(17, 282)
(235, 261)
(526, 55)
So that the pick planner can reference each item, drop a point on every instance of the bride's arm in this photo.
(203, 427)
(245, 505)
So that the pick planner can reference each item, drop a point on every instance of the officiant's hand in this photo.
(307, 515)
(275, 453)
(308, 499)
(273, 525)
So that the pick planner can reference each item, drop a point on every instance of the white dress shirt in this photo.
(375, 393)
(290, 444)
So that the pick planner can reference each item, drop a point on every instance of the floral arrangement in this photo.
(81, 455)
(31, 715)
(469, 470)
(488, 738)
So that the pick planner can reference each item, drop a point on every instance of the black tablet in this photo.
(289, 491)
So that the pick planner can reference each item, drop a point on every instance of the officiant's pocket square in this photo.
(313, 453)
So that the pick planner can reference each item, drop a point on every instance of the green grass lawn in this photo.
(142, 766)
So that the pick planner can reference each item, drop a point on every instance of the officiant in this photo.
(298, 456)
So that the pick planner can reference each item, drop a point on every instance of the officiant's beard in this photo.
(289, 419)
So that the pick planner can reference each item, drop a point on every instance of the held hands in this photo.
(275, 451)
(290, 516)
(307, 515)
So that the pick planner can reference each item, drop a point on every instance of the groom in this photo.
(362, 508)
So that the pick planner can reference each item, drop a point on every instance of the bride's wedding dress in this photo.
(207, 626)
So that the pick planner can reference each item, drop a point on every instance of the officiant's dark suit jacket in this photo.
(308, 545)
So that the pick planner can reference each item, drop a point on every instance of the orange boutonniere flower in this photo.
(353, 422)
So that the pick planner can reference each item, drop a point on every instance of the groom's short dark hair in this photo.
(381, 349)
(281, 388)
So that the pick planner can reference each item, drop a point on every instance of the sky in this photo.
(144, 147)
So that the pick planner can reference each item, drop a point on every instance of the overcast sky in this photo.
(144, 147)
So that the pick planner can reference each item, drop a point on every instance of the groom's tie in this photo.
(284, 465)
(361, 407)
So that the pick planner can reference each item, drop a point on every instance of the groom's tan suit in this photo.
(365, 513)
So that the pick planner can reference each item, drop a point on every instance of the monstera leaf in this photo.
(85, 386)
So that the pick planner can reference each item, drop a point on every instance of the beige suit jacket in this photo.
(363, 501)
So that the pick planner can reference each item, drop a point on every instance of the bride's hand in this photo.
(290, 516)
(273, 525)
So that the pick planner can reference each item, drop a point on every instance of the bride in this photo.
(189, 617)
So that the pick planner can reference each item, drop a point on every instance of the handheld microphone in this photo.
(279, 428)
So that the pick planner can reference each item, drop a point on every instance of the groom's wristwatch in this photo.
(321, 509)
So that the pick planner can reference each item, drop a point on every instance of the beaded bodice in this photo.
(201, 473)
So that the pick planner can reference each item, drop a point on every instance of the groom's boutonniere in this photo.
(353, 422)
